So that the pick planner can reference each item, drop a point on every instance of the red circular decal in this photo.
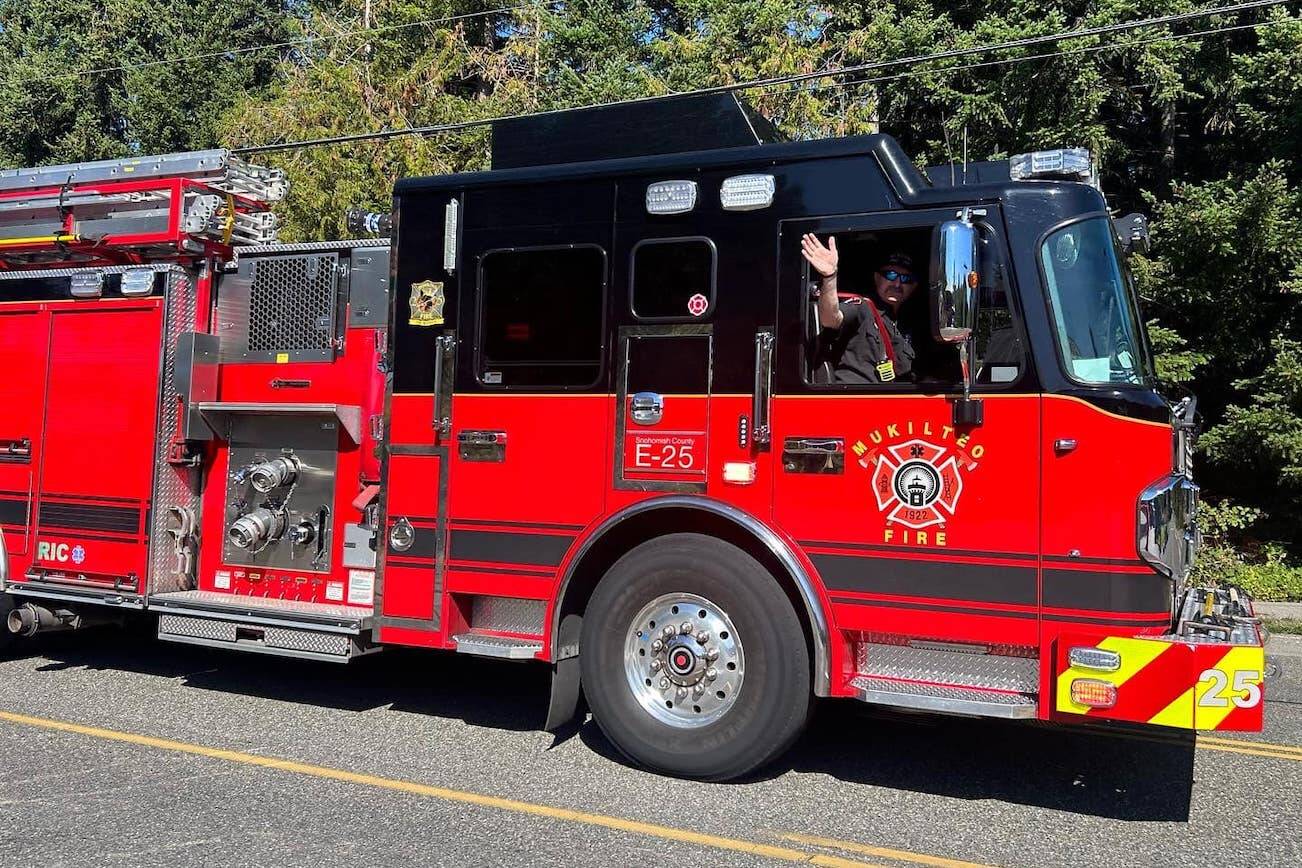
(697, 304)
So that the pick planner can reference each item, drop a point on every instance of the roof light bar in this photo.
(747, 192)
(1071, 164)
(671, 197)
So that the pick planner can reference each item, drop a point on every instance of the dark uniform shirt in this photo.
(854, 352)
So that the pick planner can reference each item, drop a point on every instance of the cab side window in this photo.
(542, 315)
(855, 355)
(673, 279)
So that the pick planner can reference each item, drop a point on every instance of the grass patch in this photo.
(1283, 625)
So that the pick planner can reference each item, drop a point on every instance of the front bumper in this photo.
(1208, 674)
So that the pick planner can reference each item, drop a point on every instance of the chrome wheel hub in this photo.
(683, 660)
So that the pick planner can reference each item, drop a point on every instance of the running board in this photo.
(286, 628)
(943, 698)
(482, 645)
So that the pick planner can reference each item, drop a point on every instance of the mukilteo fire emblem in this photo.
(426, 303)
(916, 483)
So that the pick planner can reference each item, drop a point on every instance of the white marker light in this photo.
(747, 192)
(87, 284)
(1095, 658)
(137, 282)
(671, 197)
(739, 472)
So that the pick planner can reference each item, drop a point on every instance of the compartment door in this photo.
(97, 465)
(24, 344)
(663, 408)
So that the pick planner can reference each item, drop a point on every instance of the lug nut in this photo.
(657, 646)
(681, 693)
(664, 683)
(702, 637)
(655, 665)
(668, 632)
(712, 654)
(698, 691)
(711, 674)
(685, 628)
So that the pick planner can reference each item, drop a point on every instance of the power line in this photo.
(1025, 42)
(1008, 61)
(306, 40)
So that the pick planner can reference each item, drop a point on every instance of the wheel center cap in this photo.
(681, 660)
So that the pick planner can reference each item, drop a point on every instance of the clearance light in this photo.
(739, 472)
(747, 192)
(671, 197)
(1072, 164)
(1095, 658)
(1093, 693)
(87, 284)
(137, 282)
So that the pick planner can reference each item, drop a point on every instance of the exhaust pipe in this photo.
(30, 619)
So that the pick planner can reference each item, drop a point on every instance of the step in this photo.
(260, 638)
(483, 645)
(943, 698)
(949, 663)
(294, 614)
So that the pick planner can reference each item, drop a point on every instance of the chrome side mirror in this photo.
(954, 280)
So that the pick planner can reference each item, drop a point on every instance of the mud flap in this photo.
(566, 686)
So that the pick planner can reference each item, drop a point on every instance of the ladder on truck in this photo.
(136, 209)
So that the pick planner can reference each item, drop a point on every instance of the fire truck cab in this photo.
(600, 426)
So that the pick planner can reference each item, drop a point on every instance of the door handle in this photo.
(481, 445)
(648, 408)
(813, 445)
(813, 454)
(16, 451)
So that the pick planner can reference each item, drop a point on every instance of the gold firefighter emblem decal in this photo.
(426, 303)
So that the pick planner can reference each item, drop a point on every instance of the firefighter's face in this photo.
(895, 283)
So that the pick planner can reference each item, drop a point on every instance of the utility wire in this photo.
(306, 40)
(1008, 61)
(1120, 27)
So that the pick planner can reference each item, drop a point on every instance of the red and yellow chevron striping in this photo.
(1166, 682)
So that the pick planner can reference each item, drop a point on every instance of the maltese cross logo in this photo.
(916, 483)
(697, 304)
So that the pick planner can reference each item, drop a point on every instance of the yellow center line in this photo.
(1279, 755)
(1264, 745)
(668, 833)
(883, 852)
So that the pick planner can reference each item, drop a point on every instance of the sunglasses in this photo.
(892, 274)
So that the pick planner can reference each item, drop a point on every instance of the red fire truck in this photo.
(580, 411)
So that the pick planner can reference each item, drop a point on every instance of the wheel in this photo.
(693, 660)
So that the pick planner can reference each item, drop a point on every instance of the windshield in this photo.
(1094, 315)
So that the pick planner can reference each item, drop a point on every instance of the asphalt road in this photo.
(121, 751)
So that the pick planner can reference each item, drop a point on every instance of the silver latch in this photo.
(648, 408)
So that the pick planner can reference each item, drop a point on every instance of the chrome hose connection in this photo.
(255, 529)
(270, 475)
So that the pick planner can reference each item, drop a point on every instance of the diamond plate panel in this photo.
(877, 689)
(507, 615)
(174, 487)
(335, 644)
(982, 671)
(198, 628)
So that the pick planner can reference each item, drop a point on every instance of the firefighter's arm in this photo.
(824, 260)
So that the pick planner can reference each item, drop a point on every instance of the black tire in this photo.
(772, 703)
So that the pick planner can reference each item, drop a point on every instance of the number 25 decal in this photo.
(1245, 680)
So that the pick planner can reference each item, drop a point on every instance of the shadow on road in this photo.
(1098, 774)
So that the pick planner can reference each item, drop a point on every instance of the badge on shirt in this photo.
(886, 370)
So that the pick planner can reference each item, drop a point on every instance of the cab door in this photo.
(918, 527)
(24, 350)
